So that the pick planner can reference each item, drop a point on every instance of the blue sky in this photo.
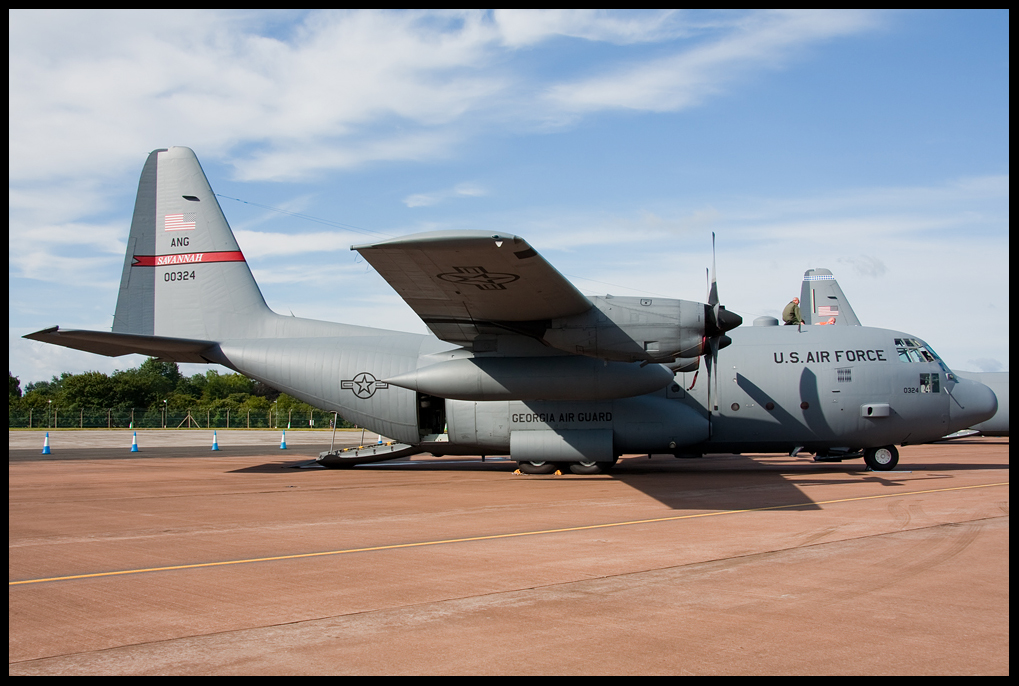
(871, 143)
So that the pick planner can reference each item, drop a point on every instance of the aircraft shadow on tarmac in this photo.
(719, 482)
(745, 482)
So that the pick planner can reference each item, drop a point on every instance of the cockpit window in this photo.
(915, 350)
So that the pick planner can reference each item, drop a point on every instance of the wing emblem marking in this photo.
(480, 277)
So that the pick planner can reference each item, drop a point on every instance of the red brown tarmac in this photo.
(180, 560)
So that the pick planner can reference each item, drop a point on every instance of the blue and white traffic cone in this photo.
(380, 440)
(283, 440)
(46, 444)
(134, 442)
(215, 443)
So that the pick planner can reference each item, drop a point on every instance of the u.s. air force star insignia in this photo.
(480, 277)
(363, 384)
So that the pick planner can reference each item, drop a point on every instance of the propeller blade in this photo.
(714, 353)
(707, 364)
(713, 344)
(713, 289)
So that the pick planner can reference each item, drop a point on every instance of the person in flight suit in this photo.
(791, 313)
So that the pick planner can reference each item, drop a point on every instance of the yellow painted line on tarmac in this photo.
(421, 544)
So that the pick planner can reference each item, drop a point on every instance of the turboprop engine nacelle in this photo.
(640, 329)
(556, 377)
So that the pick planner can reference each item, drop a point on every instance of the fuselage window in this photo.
(930, 383)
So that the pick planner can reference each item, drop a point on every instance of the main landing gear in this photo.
(538, 467)
(881, 459)
(586, 468)
(582, 468)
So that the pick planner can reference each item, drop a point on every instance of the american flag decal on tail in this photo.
(179, 222)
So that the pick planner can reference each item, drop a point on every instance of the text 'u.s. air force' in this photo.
(821, 356)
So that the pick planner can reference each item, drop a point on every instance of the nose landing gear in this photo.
(881, 459)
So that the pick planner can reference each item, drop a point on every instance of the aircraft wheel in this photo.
(585, 468)
(537, 467)
(881, 459)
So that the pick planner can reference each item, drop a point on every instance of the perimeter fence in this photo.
(194, 418)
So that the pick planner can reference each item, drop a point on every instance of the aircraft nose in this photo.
(971, 403)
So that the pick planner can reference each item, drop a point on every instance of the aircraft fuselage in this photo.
(778, 388)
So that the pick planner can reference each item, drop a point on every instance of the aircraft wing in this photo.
(466, 283)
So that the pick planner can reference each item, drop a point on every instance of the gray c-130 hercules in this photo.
(521, 362)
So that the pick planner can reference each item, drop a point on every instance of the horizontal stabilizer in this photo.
(116, 344)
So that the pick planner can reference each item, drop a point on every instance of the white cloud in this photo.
(272, 272)
(260, 244)
(865, 265)
(52, 268)
(986, 364)
(215, 82)
(92, 91)
(523, 27)
(686, 77)
(103, 237)
(461, 190)
(291, 160)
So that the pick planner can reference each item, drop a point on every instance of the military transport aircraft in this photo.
(521, 362)
(823, 301)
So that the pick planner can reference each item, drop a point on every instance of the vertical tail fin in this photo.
(184, 275)
(821, 298)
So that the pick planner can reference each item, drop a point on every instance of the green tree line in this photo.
(156, 386)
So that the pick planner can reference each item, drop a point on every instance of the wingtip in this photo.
(43, 332)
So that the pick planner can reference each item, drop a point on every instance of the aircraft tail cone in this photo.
(283, 440)
(134, 442)
(46, 444)
(215, 442)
